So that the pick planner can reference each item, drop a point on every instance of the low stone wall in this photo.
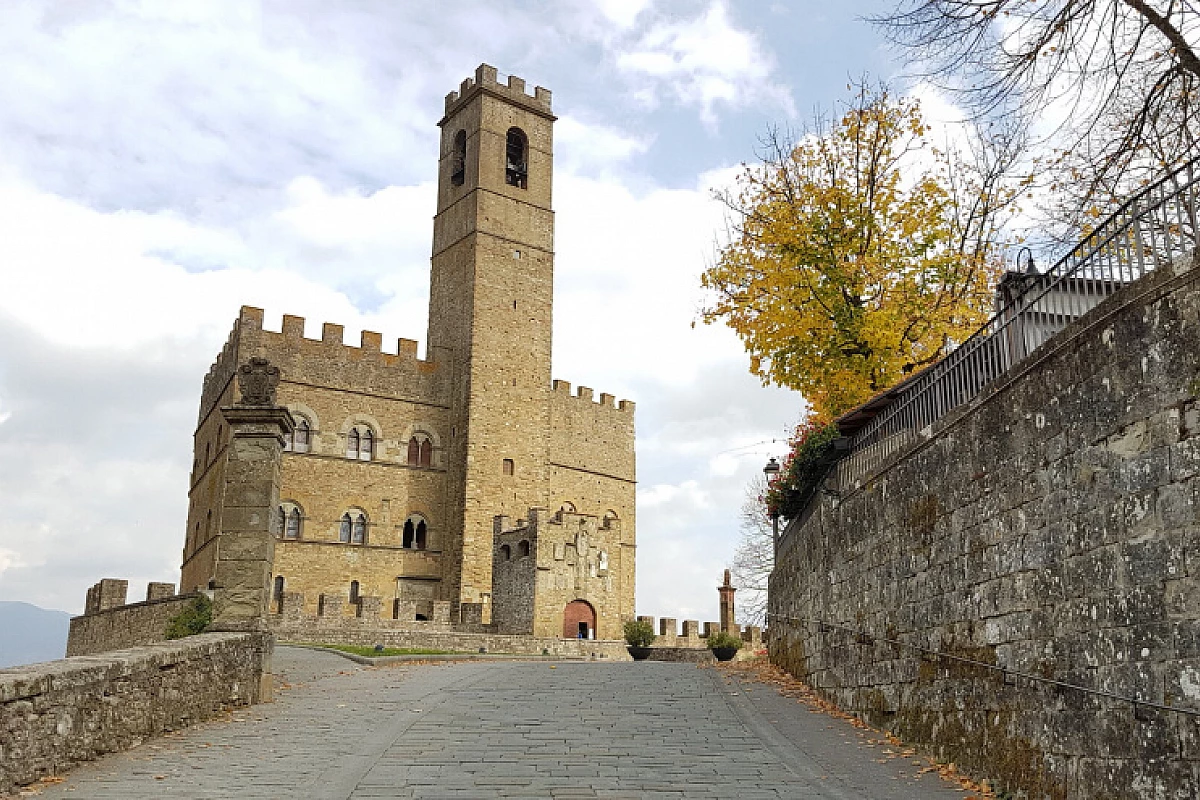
(1049, 531)
(390, 633)
(124, 626)
(60, 713)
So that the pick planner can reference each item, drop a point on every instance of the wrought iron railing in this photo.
(1151, 230)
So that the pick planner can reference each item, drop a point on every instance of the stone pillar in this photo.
(246, 548)
(726, 593)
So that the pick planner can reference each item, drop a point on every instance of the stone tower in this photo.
(490, 308)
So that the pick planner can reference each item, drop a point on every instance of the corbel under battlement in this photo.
(585, 393)
(487, 79)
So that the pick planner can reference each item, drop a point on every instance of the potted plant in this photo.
(639, 634)
(724, 645)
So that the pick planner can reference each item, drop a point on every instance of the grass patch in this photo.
(371, 652)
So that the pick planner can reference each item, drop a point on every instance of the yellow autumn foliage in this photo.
(855, 256)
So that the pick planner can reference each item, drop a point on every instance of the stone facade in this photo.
(550, 562)
(1050, 530)
(389, 486)
(58, 714)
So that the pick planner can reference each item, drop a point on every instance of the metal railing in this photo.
(1151, 230)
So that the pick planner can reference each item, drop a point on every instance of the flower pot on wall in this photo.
(638, 653)
(725, 653)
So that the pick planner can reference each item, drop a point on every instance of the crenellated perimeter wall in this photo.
(1050, 531)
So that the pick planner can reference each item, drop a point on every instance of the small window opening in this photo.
(523, 548)
(505, 552)
(277, 594)
(458, 159)
(420, 451)
(508, 466)
(358, 533)
(302, 438)
(360, 444)
(344, 528)
(416, 533)
(291, 528)
(353, 592)
(516, 169)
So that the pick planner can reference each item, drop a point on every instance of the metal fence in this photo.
(1149, 231)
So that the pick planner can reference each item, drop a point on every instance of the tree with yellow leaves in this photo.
(860, 253)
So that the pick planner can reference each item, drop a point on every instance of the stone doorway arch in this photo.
(579, 620)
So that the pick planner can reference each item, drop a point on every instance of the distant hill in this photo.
(29, 634)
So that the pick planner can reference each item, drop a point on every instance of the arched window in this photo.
(523, 548)
(353, 592)
(458, 159)
(420, 451)
(344, 528)
(610, 517)
(505, 552)
(360, 443)
(302, 438)
(358, 534)
(291, 525)
(416, 533)
(516, 158)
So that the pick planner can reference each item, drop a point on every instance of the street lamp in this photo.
(771, 470)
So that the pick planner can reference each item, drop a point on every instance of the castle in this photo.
(466, 484)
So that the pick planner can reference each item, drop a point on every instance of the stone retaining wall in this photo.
(369, 632)
(1051, 528)
(124, 626)
(60, 713)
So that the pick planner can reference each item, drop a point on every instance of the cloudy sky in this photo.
(163, 163)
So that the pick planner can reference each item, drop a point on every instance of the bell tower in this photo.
(490, 307)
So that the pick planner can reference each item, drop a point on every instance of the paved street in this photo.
(509, 729)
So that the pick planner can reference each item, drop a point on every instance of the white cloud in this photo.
(704, 61)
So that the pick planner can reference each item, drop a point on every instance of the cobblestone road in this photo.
(507, 729)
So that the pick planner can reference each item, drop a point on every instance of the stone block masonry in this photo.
(1049, 531)
(124, 626)
(60, 713)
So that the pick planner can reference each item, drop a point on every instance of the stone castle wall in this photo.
(124, 626)
(60, 713)
(1049, 530)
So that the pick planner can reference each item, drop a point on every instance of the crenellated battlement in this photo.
(327, 361)
(487, 79)
(220, 373)
(693, 634)
(584, 393)
(370, 342)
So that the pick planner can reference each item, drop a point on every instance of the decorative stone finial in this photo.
(257, 380)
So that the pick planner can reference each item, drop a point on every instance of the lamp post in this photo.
(771, 470)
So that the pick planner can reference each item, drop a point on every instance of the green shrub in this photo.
(723, 639)
(804, 468)
(639, 633)
(195, 617)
